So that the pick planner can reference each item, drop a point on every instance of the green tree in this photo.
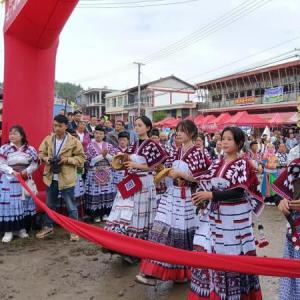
(159, 115)
(67, 90)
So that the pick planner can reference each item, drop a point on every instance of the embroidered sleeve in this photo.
(205, 177)
(90, 151)
(207, 156)
(171, 156)
(196, 162)
(34, 163)
(153, 154)
(92, 155)
(131, 148)
(283, 185)
(242, 174)
(4, 167)
(111, 152)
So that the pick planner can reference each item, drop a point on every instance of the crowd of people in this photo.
(185, 189)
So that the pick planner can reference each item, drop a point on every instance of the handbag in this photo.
(129, 186)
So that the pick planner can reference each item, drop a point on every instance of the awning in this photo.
(244, 119)
(172, 123)
(198, 120)
(162, 122)
(279, 118)
(207, 123)
(217, 124)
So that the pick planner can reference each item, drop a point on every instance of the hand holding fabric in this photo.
(200, 197)
(284, 206)
(294, 205)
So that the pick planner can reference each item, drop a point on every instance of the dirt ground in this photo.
(57, 269)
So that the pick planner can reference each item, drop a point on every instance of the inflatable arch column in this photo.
(31, 33)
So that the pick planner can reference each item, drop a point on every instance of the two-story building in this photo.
(93, 101)
(170, 94)
(266, 90)
(115, 105)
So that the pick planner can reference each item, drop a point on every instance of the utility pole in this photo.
(139, 86)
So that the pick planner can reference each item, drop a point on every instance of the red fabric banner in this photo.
(146, 249)
(31, 32)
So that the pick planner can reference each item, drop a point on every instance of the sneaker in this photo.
(8, 236)
(46, 231)
(143, 279)
(22, 234)
(104, 218)
(74, 237)
(97, 220)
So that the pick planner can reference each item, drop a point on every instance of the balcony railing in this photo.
(95, 104)
(135, 104)
(287, 97)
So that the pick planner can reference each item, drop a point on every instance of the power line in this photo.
(253, 67)
(201, 29)
(194, 37)
(134, 6)
(246, 57)
(228, 14)
(204, 32)
(245, 69)
(130, 66)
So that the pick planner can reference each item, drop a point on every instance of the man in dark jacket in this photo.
(76, 119)
(112, 136)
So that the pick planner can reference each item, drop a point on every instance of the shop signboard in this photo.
(245, 100)
(273, 95)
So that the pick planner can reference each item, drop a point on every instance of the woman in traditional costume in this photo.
(175, 221)
(135, 204)
(123, 140)
(287, 187)
(16, 207)
(164, 183)
(227, 201)
(199, 143)
(100, 190)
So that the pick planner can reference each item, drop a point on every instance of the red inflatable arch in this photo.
(31, 33)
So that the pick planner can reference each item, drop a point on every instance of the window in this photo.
(185, 112)
(288, 88)
(216, 98)
(120, 101)
(258, 92)
(249, 93)
(114, 102)
(242, 94)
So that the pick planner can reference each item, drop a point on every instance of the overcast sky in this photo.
(97, 46)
